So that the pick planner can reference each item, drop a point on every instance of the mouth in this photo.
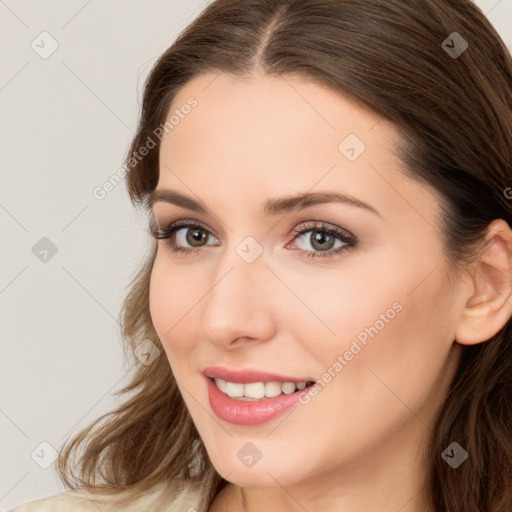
(254, 402)
(258, 391)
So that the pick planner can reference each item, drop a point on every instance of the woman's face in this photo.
(362, 305)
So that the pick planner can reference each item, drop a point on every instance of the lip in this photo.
(241, 412)
(248, 375)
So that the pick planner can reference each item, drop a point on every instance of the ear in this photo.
(489, 305)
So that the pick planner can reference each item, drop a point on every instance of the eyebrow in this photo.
(271, 207)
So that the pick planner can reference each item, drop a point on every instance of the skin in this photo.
(359, 444)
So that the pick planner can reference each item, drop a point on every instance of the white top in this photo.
(176, 496)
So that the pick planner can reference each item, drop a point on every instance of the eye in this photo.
(325, 241)
(183, 232)
(189, 237)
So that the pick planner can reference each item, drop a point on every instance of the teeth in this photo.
(288, 387)
(257, 390)
(234, 390)
(254, 390)
(272, 389)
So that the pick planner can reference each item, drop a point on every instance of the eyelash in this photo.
(168, 231)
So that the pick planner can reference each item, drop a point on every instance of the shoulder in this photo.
(68, 500)
(175, 496)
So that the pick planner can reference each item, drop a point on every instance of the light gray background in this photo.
(66, 122)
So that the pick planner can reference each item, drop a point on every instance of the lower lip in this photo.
(242, 412)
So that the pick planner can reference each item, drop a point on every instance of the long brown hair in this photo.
(454, 114)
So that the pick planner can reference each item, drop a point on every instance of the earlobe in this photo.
(489, 305)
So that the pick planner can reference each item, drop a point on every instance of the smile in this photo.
(252, 391)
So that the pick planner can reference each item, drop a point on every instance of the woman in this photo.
(328, 186)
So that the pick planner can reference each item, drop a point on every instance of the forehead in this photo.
(269, 136)
(278, 112)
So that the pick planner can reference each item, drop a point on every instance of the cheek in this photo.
(169, 306)
(395, 347)
(380, 319)
(401, 371)
(342, 307)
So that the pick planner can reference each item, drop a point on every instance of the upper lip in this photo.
(245, 376)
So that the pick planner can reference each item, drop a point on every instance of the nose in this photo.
(238, 306)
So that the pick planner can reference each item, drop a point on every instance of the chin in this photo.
(260, 475)
(249, 478)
